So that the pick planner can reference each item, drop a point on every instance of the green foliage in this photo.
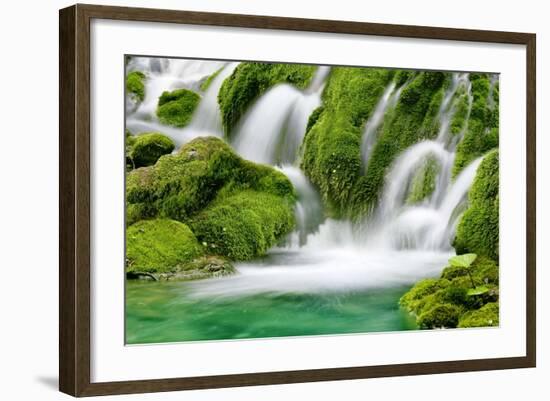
(176, 108)
(159, 246)
(424, 181)
(486, 316)
(464, 260)
(250, 80)
(205, 180)
(331, 148)
(478, 230)
(444, 301)
(135, 84)
(482, 130)
(243, 225)
(208, 81)
(145, 149)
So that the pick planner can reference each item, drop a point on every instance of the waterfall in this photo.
(272, 131)
(387, 101)
(431, 224)
(308, 210)
(400, 242)
(171, 74)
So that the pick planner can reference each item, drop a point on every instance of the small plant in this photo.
(465, 261)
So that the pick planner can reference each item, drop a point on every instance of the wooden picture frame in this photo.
(74, 199)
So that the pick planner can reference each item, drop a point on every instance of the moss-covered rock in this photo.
(478, 230)
(135, 85)
(220, 195)
(176, 108)
(439, 316)
(486, 316)
(423, 181)
(444, 301)
(145, 149)
(161, 245)
(482, 130)
(250, 80)
(331, 148)
(243, 225)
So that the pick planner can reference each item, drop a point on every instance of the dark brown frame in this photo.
(74, 199)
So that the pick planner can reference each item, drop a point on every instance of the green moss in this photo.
(424, 181)
(430, 299)
(482, 131)
(250, 80)
(478, 230)
(135, 84)
(243, 225)
(205, 179)
(439, 316)
(331, 149)
(208, 81)
(159, 246)
(176, 108)
(486, 316)
(145, 149)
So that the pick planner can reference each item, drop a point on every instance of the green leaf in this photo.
(465, 260)
(477, 291)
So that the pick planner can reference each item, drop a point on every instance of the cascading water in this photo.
(403, 242)
(281, 117)
(429, 225)
(171, 74)
(387, 101)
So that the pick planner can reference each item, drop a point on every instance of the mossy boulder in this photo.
(486, 316)
(145, 149)
(439, 316)
(135, 85)
(160, 245)
(478, 229)
(237, 208)
(243, 225)
(176, 108)
(250, 80)
(482, 130)
(444, 301)
(331, 148)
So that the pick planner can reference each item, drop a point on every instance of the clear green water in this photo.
(169, 312)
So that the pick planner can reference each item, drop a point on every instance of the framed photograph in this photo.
(250, 200)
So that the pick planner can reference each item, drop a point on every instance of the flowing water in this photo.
(329, 276)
